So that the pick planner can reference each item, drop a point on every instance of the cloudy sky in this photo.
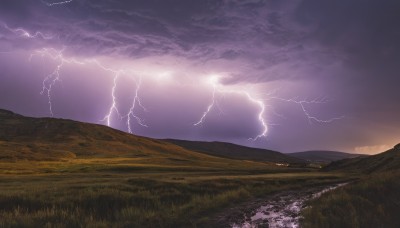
(288, 75)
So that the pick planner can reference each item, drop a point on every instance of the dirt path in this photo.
(278, 210)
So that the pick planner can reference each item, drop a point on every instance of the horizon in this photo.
(227, 142)
(288, 76)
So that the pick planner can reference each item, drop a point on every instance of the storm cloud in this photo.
(343, 52)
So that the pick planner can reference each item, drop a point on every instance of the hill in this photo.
(386, 161)
(322, 156)
(49, 139)
(229, 150)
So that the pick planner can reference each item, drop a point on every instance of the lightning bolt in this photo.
(57, 3)
(25, 34)
(49, 82)
(303, 103)
(261, 115)
(210, 106)
(136, 101)
(51, 79)
(218, 88)
(113, 108)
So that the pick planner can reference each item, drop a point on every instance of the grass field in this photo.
(373, 201)
(119, 193)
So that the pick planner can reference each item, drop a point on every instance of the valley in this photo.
(63, 173)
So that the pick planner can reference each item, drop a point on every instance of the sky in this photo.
(287, 75)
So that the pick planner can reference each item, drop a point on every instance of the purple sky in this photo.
(293, 74)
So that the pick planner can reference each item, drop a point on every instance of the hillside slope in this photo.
(324, 156)
(386, 161)
(48, 139)
(229, 150)
(373, 201)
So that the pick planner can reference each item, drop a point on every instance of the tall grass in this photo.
(372, 202)
(129, 202)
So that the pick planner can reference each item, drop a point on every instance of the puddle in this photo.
(282, 211)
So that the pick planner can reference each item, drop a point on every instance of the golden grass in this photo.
(374, 201)
(95, 192)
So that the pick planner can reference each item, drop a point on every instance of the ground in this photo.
(116, 192)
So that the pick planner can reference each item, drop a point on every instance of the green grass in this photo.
(374, 201)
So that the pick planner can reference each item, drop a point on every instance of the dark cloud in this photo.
(348, 50)
(181, 28)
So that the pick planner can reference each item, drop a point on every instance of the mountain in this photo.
(49, 139)
(322, 156)
(386, 161)
(229, 150)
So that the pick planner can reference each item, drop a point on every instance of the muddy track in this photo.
(277, 210)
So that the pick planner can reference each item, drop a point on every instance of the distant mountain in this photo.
(50, 139)
(386, 161)
(323, 156)
(229, 150)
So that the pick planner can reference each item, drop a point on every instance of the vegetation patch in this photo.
(374, 201)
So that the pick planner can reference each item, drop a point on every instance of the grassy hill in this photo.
(48, 139)
(323, 156)
(386, 161)
(229, 150)
(372, 201)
